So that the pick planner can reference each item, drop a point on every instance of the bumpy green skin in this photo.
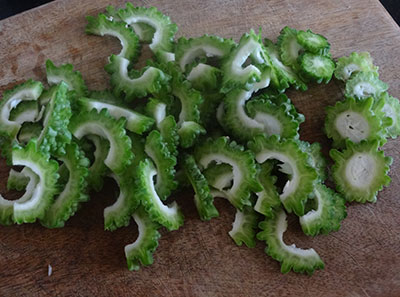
(289, 47)
(17, 180)
(141, 251)
(188, 50)
(219, 176)
(368, 189)
(205, 78)
(268, 199)
(135, 121)
(376, 127)
(222, 150)
(46, 95)
(157, 150)
(289, 256)
(208, 108)
(282, 76)
(316, 67)
(168, 216)
(365, 84)
(346, 67)
(314, 43)
(289, 152)
(46, 169)
(244, 227)
(55, 134)
(102, 124)
(283, 99)
(189, 132)
(101, 25)
(203, 199)
(148, 81)
(25, 111)
(289, 125)
(316, 159)
(66, 73)
(331, 210)
(106, 96)
(169, 131)
(244, 78)
(389, 107)
(118, 214)
(162, 42)
(74, 192)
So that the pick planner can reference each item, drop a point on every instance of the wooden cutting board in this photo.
(200, 259)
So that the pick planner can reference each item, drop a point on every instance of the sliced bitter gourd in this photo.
(168, 216)
(315, 157)
(148, 80)
(203, 199)
(55, 134)
(360, 171)
(29, 131)
(222, 150)
(355, 120)
(295, 164)
(289, 48)
(234, 75)
(42, 197)
(25, 111)
(365, 84)
(316, 67)
(312, 42)
(66, 73)
(390, 107)
(327, 216)
(165, 163)
(205, 78)
(101, 25)
(102, 124)
(162, 42)
(141, 251)
(18, 180)
(290, 256)
(67, 202)
(219, 176)
(135, 122)
(283, 99)
(356, 62)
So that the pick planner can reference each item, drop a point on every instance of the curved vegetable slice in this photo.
(101, 25)
(390, 107)
(282, 99)
(66, 73)
(222, 150)
(219, 176)
(55, 134)
(360, 171)
(290, 256)
(26, 179)
(289, 48)
(188, 50)
(295, 164)
(168, 216)
(148, 80)
(135, 122)
(365, 84)
(330, 211)
(312, 42)
(275, 119)
(203, 199)
(162, 42)
(25, 111)
(141, 251)
(234, 75)
(316, 159)
(165, 163)
(316, 67)
(29, 131)
(205, 78)
(102, 124)
(356, 62)
(353, 119)
(42, 197)
(74, 192)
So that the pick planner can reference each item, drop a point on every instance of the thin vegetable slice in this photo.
(102, 124)
(295, 164)
(315, 158)
(18, 180)
(219, 176)
(354, 120)
(168, 216)
(205, 78)
(141, 251)
(365, 84)
(312, 42)
(316, 67)
(67, 202)
(222, 150)
(25, 111)
(289, 48)
(346, 67)
(390, 107)
(101, 25)
(360, 171)
(327, 216)
(290, 256)
(29, 131)
(162, 42)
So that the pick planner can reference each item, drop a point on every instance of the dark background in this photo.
(11, 7)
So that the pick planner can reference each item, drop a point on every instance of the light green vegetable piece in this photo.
(346, 67)
(291, 257)
(289, 47)
(360, 171)
(365, 84)
(316, 67)
(312, 42)
(315, 158)
(29, 131)
(26, 111)
(388, 107)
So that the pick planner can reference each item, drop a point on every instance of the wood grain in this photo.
(362, 259)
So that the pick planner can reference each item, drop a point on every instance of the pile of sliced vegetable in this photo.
(212, 116)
